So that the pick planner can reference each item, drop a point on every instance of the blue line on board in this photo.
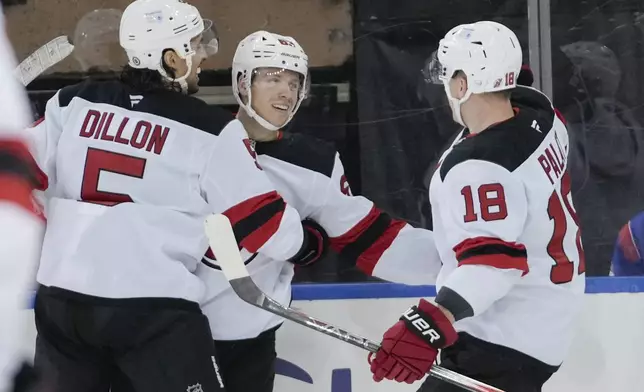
(324, 291)
(319, 291)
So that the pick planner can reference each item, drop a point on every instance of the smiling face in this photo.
(274, 93)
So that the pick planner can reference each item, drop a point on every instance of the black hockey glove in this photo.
(314, 246)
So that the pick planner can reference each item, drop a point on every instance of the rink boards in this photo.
(606, 354)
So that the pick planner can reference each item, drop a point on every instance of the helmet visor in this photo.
(206, 44)
(274, 77)
(434, 72)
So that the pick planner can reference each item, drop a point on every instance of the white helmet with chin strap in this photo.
(262, 49)
(148, 27)
(488, 53)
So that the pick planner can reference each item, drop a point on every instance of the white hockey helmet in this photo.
(263, 49)
(148, 27)
(487, 52)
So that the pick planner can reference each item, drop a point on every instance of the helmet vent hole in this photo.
(477, 42)
(171, 18)
(484, 54)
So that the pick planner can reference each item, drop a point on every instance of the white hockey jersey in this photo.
(507, 231)
(130, 180)
(20, 228)
(308, 173)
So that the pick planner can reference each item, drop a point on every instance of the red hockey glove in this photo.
(410, 347)
(316, 242)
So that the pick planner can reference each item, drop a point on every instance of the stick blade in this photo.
(224, 245)
(44, 57)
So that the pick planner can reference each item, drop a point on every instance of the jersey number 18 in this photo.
(494, 208)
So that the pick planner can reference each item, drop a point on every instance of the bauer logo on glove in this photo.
(422, 326)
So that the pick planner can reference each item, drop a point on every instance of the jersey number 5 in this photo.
(493, 207)
(101, 160)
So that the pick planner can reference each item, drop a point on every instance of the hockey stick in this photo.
(43, 58)
(224, 245)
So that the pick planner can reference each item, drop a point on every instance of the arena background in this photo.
(369, 97)
(370, 100)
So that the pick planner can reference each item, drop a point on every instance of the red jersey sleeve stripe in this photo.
(364, 244)
(16, 158)
(15, 189)
(255, 220)
(493, 252)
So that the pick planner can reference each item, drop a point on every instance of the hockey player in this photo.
(270, 81)
(20, 226)
(133, 168)
(505, 228)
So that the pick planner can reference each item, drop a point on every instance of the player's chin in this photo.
(278, 118)
(278, 123)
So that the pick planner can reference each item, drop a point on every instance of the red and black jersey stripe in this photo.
(255, 220)
(19, 174)
(364, 243)
(16, 160)
(492, 252)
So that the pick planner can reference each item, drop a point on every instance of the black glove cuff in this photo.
(314, 245)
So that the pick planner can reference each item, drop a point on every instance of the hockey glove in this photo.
(410, 347)
(314, 246)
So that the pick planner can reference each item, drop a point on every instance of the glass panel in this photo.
(404, 124)
(598, 83)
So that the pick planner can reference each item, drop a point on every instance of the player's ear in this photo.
(242, 85)
(462, 85)
(171, 60)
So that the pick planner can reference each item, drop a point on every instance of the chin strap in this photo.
(182, 80)
(456, 104)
